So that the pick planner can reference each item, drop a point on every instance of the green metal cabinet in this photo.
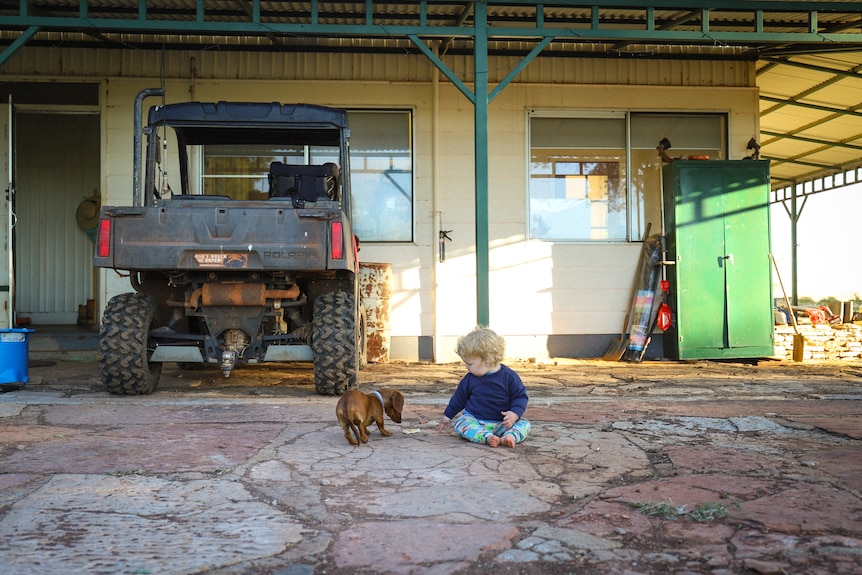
(717, 227)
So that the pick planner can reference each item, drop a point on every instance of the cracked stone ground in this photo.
(665, 467)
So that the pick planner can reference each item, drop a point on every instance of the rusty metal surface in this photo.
(375, 288)
(239, 294)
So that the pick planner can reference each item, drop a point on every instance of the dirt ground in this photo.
(589, 378)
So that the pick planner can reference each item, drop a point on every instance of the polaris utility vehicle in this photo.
(251, 260)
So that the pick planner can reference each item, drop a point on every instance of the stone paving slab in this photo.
(251, 476)
(399, 546)
(102, 524)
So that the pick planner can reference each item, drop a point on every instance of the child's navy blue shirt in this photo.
(488, 396)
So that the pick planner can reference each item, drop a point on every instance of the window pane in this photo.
(699, 135)
(685, 131)
(579, 185)
(236, 188)
(577, 179)
(591, 132)
(240, 171)
(381, 165)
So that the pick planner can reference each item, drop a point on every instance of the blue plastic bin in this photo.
(14, 348)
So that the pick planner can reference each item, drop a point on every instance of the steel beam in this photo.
(707, 26)
(20, 41)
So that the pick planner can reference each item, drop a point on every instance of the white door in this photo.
(7, 279)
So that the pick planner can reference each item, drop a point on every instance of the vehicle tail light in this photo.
(104, 239)
(337, 249)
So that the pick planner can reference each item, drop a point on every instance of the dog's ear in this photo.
(398, 401)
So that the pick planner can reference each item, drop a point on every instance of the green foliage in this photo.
(707, 512)
(856, 299)
(127, 472)
(658, 509)
(807, 301)
(702, 513)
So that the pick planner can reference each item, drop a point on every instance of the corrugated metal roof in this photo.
(808, 54)
(810, 118)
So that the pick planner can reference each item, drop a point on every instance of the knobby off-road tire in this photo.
(333, 343)
(124, 364)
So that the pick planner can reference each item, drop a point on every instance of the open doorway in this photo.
(56, 158)
(57, 161)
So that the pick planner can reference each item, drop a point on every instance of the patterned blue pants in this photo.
(478, 430)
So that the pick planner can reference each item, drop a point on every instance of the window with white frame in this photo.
(597, 176)
(381, 167)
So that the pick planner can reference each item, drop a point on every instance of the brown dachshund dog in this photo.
(357, 410)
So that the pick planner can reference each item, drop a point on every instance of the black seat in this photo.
(303, 183)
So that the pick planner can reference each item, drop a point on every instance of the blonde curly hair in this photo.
(483, 343)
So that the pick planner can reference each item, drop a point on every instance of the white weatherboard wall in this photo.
(537, 288)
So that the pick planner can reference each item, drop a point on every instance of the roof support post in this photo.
(794, 212)
(481, 98)
(794, 257)
(480, 72)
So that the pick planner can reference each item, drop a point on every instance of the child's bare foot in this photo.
(508, 441)
(493, 440)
